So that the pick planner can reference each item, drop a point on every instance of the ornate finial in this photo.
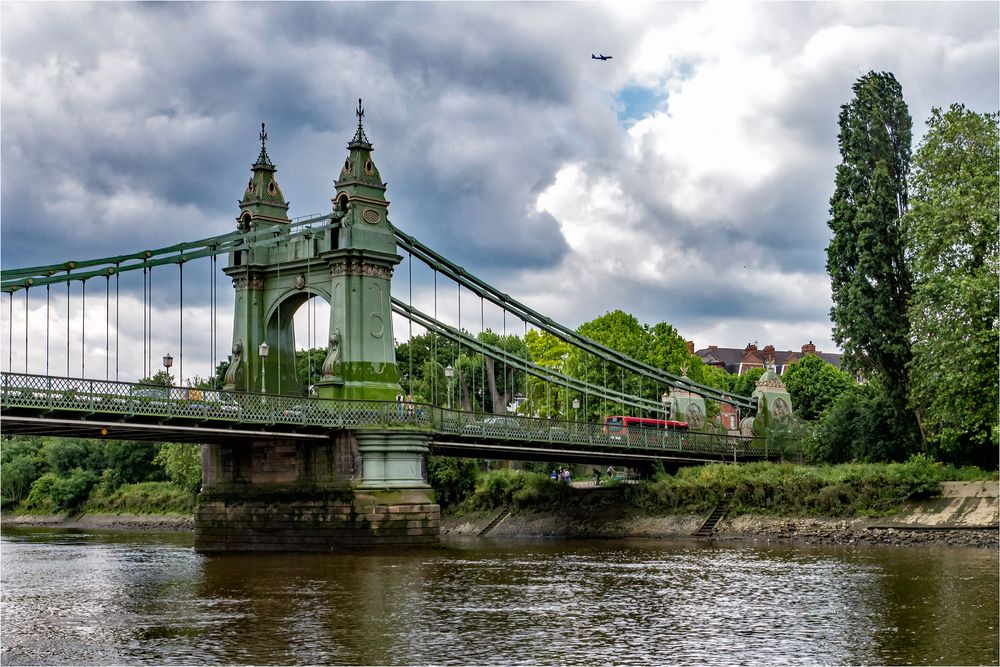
(263, 160)
(359, 136)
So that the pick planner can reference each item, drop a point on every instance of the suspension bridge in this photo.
(330, 452)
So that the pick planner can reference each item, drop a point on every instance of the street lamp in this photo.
(263, 350)
(576, 406)
(449, 373)
(666, 404)
(168, 361)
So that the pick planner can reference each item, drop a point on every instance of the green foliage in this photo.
(865, 259)
(862, 425)
(657, 345)
(182, 464)
(842, 490)
(953, 251)
(54, 493)
(65, 454)
(132, 461)
(16, 477)
(308, 366)
(518, 489)
(453, 479)
(814, 385)
(159, 379)
(745, 384)
(142, 498)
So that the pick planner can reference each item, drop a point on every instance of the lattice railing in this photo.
(125, 400)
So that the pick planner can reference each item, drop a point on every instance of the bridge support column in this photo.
(296, 496)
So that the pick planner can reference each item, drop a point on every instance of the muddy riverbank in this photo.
(965, 514)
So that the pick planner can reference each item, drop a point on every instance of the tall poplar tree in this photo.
(953, 250)
(865, 259)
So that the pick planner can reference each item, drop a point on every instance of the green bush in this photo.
(453, 479)
(39, 496)
(518, 489)
(53, 493)
(840, 490)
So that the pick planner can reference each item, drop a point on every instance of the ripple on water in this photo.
(98, 599)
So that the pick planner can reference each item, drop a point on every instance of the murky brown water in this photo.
(92, 598)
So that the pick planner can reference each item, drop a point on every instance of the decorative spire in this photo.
(263, 160)
(359, 136)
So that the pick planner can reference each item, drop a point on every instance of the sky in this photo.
(686, 180)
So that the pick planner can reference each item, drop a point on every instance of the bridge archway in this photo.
(285, 339)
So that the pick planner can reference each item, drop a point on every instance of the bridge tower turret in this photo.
(363, 365)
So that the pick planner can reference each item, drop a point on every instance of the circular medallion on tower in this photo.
(694, 416)
(780, 407)
(371, 216)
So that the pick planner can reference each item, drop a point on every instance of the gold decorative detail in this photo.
(371, 216)
(243, 283)
(347, 165)
(369, 168)
(359, 268)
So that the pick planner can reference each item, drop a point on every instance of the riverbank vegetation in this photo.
(856, 489)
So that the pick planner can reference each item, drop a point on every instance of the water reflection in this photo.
(89, 599)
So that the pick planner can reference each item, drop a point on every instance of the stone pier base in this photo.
(295, 496)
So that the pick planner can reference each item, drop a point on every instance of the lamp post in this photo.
(449, 373)
(666, 404)
(263, 350)
(168, 361)
(576, 406)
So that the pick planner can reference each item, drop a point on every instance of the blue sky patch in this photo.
(635, 102)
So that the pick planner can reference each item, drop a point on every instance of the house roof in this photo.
(736, 360)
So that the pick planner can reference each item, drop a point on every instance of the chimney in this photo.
(809, 348)
(768, 351)
(690, 345)
(751, 347)
(713, 347)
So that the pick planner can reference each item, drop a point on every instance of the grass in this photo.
(142, 498)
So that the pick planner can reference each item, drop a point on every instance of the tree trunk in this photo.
(499, 400)
(466, 404)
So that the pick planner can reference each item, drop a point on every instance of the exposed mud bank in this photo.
(153, 523)
(966, 514)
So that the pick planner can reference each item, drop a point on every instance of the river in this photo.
(97, 598)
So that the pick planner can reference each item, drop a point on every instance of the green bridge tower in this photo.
(362, 486)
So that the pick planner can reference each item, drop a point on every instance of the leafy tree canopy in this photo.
(953, 252)
(814, 385)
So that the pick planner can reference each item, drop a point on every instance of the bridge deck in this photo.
(44, 405)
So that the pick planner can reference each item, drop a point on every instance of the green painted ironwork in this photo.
(564, 333)
(155, 403)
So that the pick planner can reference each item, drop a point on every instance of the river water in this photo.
(87, 597)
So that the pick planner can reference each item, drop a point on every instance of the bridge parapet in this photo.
(91, 399)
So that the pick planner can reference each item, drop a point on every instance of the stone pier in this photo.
(354, 490)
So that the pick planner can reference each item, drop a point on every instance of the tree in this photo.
(953, 253)
(870, 280)
(182, 464)
(814, 385)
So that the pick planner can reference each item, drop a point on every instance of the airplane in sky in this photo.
(601, 57)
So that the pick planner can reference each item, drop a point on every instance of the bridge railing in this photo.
(130, 401)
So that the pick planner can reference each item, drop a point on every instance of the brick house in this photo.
(736, 361)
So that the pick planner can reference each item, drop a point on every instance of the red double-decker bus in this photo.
(620, 427)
